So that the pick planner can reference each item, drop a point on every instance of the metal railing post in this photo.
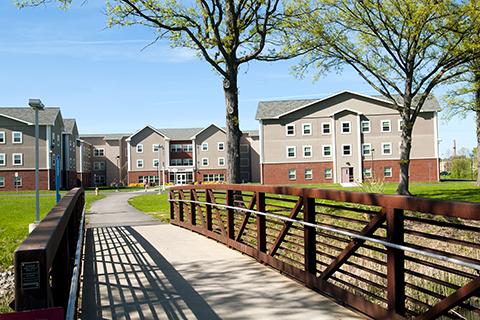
(230, 215)
(193, 208)
(261, 224)
(208, 210)
(171, 196)
(309, 234)
(181, 196)
(395, 262)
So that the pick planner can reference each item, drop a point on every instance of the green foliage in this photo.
(463, 168)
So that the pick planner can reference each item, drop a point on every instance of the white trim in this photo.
(16, 119)
(203, 162)
(286, 130)
(299, 161)
(359, 147)
(13, 137)
(212, 124)
(331, 177)
(370, 150)
(323, 150)
(400, 124)
(303, 129)
(147, 126)
(139, 145)
(349, 127)
(329, 126)
(334, 150)
(218, 146)
(129, 164)
(2, 182)
(391, 172)
(142, 166)
(391, 149)
(305, 174)
(369, 126)
(435, 136)
(311, 151)
(48, 134)
(347, 109)
(4, 160)
(81, 158)
(389, 125)
(13, 159)
(153, 163)
(155, 145)
(294, 152)
(262, 159)
(204, 144)
(343, 150)
(4, 137)
(95, 148)
(194, 155)
(218, 161)
(294, 173)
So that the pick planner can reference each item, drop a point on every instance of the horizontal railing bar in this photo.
(72, 297)
(444, 224)
(348, 234)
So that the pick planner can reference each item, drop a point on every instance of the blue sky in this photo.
(104, 79)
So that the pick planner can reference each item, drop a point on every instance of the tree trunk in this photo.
(405, 149)
(234, 134)
(477, 113)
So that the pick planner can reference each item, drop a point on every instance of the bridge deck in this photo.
(165, 272)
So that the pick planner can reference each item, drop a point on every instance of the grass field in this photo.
(153, 204)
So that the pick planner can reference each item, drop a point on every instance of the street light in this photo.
(162, 170)
(119, 172)
(36, 104)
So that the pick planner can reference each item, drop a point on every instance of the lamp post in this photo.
(36, 104)
(119, 171)
(160, 171)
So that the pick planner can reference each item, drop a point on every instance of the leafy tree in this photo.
(403, 49)
(462, 168)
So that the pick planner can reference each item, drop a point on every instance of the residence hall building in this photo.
(104, 159)
(187, 155)
(346, 137)
(17, 148)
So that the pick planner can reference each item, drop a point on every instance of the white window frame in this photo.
(4, 159)
(155, 147)
(349, 127)
(330, 175)
(369, 150)
(303, 129)
(286, 130)
(369, 126)
(141, 166)
(311, 151)
(323, 150)
(369, 170)
(294, 152)
(98, 149)
(205, 163)
(389, 125)
(400, 125)
(383, 148)
(2, 182)
(329, 125)
(153, 163)
(2, 133)
(294, 176)
(343, 150)
(221, 158)
(139, 145)
(13, 137)
(221, 144)
(389, 175)
(99, 167)
(205, 146)
(305, 174)
(21, 159)
(19, 180)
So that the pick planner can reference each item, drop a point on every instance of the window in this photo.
(366, 149)
(308, 174)
(326, 128)
(221, 162)
(187, 148)
(290, 129)
(244, 162)
(100, 152)
(99, 165)
(17, 159)
(365, 126)
(244, 148)
(387, 172)
(17, 137)
(99, 179)
(187, 162)
(2, 182)
(176, 148)
(204, 162)
(367, 172)
(386, 126)
(155, 147)
(346, 149)
(17, 181)
(139, 148)
(400, 125)
(2, 137)
(2, 159)
(221, 146)
(307, 151)
(140, 163)
(214, 177)
(346, 127)
(307, 129)
(386, 148)
(291, 152)
(292, 174)
(327, 150)
(155, 163)
(328, 173)
(205, 146)
(176, 162)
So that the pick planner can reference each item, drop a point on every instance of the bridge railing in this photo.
(45, 261)
(387, 256)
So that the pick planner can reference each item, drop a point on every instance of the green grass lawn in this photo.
(153, 204)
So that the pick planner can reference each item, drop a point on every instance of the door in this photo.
(347, 174)
(181, 178)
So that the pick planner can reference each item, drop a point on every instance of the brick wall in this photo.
(421, 170)
(277, 173)
(28, 179)
(134, 175)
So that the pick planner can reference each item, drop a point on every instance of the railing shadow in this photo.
(126, 277)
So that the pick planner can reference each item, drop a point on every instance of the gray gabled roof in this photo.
(105, 136)
(180, 133)
(277, 109)
(27, 115)
(68, 125)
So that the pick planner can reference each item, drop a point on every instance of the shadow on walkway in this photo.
(125, 277)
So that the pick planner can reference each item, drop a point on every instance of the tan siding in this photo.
(212, 136)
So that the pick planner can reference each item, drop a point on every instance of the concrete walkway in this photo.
(165, 272)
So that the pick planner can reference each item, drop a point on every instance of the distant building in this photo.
(347, 137)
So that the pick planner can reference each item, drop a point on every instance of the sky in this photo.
(111, 82)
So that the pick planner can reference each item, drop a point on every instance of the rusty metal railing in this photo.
(387, 256)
